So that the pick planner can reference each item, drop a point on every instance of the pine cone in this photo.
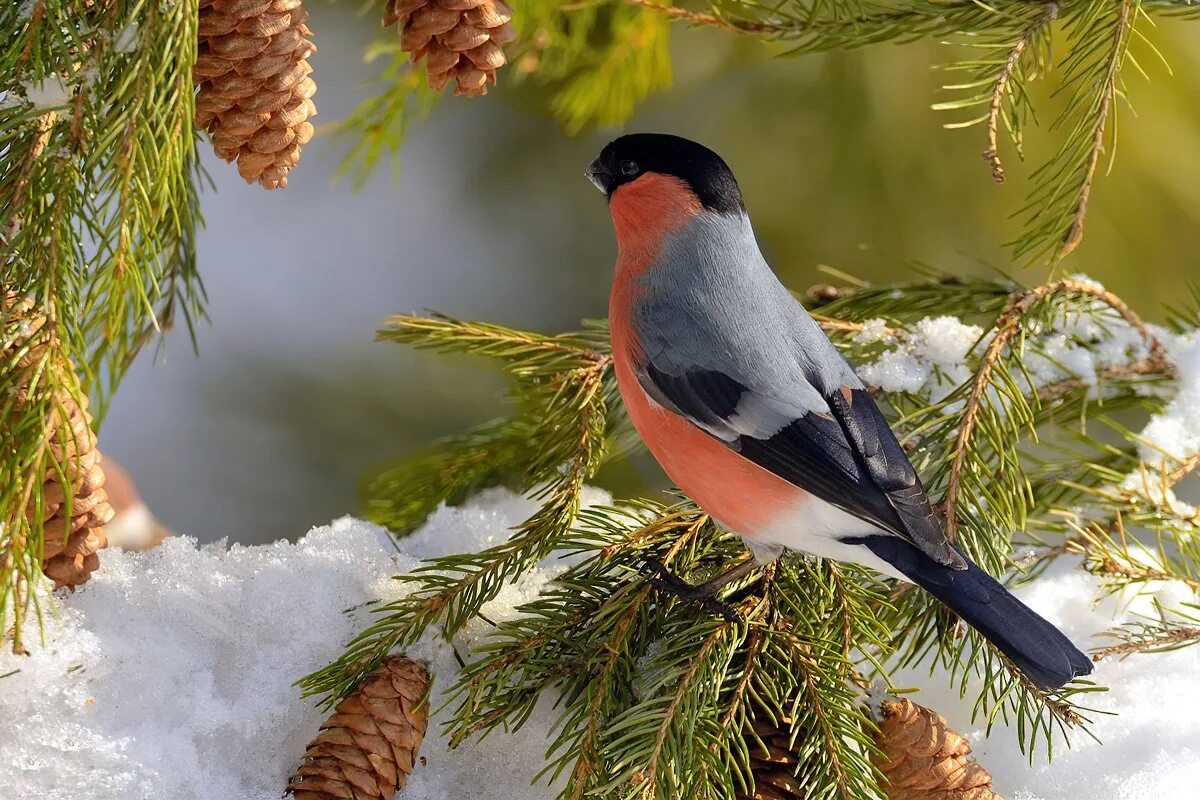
(367, 749)
(71, 542)
(255, 93)
(924, 759)
(458, 39)
(774, 768)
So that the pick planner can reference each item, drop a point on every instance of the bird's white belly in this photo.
(815, 527)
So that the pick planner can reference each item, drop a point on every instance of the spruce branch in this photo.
(1099, 34)
(931, 293)
(925, 632)
(840, 326)
(564, 383)
(1007, 326)
(820, 27)
(1171, 629)
(98, 208)
(400, 494)
(701, 19)
(527, 354)
(1006, 88)
(1123, 561)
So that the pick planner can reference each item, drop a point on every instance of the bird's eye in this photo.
(629, 168)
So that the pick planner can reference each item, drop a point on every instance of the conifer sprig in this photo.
(994, 382)
(562, 380)
(997, 82)
(1099, 34)
(1171, 629)
(98, 208)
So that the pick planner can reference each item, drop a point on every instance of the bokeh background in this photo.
(842, 163)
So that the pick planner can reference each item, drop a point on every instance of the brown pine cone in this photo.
(925, 759)
(71, 542)
(368, 748)
(73, 534)
(774, 768)
(255, 95)
(459, 39)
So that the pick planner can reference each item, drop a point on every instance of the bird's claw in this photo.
(664, 580)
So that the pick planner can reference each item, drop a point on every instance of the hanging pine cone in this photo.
(925, 759)
(255, 96)
(71, 542)
(368, 748)
(73, 531)
(458, 39)
(774, 768)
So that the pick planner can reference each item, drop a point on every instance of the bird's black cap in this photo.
(625, 159)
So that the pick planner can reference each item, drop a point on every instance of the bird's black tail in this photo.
(1039, 649)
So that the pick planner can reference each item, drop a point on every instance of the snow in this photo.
(50, 92)
(1175, 433)
(126, 40)
(1081, 345)
(873, 330)
(930, 359)
(170, 675)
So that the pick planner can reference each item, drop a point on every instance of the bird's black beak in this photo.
(601, 178)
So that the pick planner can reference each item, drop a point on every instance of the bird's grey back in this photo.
(711, 301)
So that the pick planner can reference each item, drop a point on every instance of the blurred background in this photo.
(842, 164)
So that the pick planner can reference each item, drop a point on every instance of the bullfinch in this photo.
(755, 414)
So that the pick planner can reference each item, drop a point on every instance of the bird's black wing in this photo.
(847, 456)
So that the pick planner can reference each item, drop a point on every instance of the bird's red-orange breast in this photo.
(738, 493)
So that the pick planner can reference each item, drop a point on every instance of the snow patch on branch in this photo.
(48, 93)
(1174, 435)
(931, 359)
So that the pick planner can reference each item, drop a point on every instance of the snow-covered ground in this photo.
(170, 675)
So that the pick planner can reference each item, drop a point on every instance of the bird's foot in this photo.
(704, 594)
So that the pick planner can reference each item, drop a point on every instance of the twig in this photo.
(1186, 468)
(1006, 326)
(1000, 89)
(1164, 640)
(708, 20)
(1059, 708)
(589, 756)
(1074, 233)
(44, 125)
(845, 326)
(1072, 545)
(1143, 366)
(753, 650)
(689, 521)
(1114, 559)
